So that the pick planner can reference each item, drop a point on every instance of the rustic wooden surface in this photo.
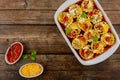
(32, 22)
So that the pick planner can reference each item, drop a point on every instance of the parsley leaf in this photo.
(67, 30)
(84, 15)
(33, 58)
(95, 38)
(25, 57)
(34, 52)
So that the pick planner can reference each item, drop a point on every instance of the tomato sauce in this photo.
(14, 52)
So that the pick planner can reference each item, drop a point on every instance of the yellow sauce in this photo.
(31, 70)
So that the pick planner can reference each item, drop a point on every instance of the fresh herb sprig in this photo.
(32, 56)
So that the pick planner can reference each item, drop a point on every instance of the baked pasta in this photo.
(84, 25)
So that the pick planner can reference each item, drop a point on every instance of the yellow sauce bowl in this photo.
(31, 70)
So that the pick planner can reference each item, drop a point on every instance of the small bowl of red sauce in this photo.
(14, 53)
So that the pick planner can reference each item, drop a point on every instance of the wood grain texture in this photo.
(35, 12)
(58, 67)
(39, 17)
(45, 39)
(48, 5)
(31, 21)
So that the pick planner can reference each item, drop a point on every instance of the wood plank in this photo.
(26, 17)
(38, 39)
(64, 75)
(41, 17)
(45, 39)
(57, 67)
(49, 5)
(64, 63)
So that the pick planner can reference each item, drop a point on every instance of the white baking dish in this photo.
(101, 57)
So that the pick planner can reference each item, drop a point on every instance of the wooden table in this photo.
(32, 22)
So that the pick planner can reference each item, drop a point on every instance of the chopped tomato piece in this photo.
(96, 45)
(82, 38)
(99, 27)
(108, 39)
(72, 34)
(86, 3)
(89, 35)
(86, 26)
(65, 19)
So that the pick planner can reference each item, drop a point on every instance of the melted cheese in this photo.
(101, 27)
(87, 5)
(86, 53)
(96, 16)
(97, 49)
(111, 39)
(75, 10)
(65, 18)
(78, 43)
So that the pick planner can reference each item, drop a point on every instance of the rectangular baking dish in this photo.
(101, 57)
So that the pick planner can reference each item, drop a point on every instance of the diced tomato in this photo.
(86, 3)
(72, 34)
(87, 52)
(99, 27)
(95, 11)
(82, 38)
(86, 27)
(65, 19)
(96, 45)
(108, 39)
(83, 52)
(109, 30)
(89, 35)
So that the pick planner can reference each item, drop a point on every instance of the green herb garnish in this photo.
(67, 30)
(34, 52)
(95, 38)
(33, 58)
(25, 57)
(84, 15)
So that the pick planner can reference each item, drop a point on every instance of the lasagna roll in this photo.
(75, 10)
(86, 53)
(101, 27)
(95, 16)
(97, 47)
(108, 38)
(86, 26)
(79, 42)
(74, 30)
(87, 5)
(65, 18)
